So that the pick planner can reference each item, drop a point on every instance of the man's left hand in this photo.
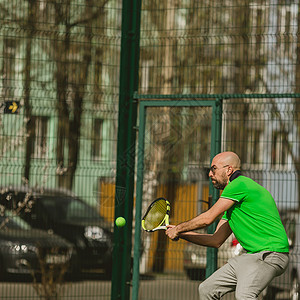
(172, 233)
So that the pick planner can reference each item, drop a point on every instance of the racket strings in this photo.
(155, 215)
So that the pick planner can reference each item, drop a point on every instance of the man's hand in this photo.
(172, 233)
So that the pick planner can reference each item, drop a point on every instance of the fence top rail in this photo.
(213, 96)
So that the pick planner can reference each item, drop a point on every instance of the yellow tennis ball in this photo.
(120, 221)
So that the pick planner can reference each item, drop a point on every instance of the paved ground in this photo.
(178, 289)
(81, 290)
(152, 288)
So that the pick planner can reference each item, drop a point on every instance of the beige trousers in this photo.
(247, 275)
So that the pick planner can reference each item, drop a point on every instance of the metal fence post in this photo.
(212, 253)
(121, 272)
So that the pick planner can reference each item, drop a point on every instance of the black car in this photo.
(24, 250)
(69, 217)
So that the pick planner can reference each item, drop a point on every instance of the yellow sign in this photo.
(11, 107)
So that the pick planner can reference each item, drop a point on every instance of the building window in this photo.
(253, 147)
(8, 71)
(39, 138)
(199, 145)
(279, 150)
(97, 138)
(98, 84)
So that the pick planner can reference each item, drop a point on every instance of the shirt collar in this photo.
(235, 175)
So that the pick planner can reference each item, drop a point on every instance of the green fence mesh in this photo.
(59, 89)
(58, 126)
(176, 164)
(219, 47)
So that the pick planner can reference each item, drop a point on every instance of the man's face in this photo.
(218, 175)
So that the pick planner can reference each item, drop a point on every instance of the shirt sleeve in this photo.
(234, 191)
(224, 217)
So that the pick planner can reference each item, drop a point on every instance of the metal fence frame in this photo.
(216, 101)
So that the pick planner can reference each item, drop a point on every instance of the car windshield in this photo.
(11, 221)
(67, 208)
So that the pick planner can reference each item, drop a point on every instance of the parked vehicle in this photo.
(71, 218)
(194, 261)
(22, 249)
(290, 280)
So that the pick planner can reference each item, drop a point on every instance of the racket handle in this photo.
(160, 227)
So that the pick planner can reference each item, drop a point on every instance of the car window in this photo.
(56, 209)
(11, 221)
(67, 208)
(77, 210)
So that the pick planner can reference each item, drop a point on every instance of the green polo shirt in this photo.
(254, 218)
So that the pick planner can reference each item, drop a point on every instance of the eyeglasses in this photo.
(213, 168)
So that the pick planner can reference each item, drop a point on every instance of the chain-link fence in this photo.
(224, 49)
(59, 87)
(59, 114)
(176, 163)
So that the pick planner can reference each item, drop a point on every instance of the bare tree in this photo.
(72, 74)
(30, 30)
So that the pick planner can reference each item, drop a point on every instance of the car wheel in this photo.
(294, 293)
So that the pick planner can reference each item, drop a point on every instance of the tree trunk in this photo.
(27, 106)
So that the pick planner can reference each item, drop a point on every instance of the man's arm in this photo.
(223, 231)
(202, 220)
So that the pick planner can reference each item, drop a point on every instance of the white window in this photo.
(8, 69)
(39, 138)
(97, 138)
(279, 150)
(253, 146)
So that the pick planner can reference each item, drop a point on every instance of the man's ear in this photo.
(230, 171)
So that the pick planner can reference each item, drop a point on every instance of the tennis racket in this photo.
(156, 215)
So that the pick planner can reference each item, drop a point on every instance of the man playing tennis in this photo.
(250, 212)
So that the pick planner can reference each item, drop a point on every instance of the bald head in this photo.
(228, 158)
(222, 167)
